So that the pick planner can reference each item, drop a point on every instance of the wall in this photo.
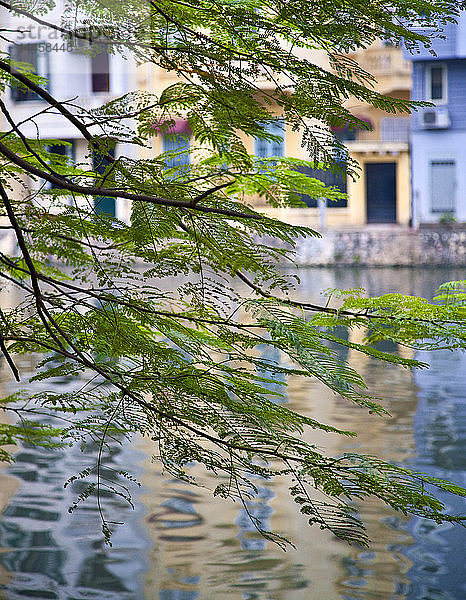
(448, 47)
(395, 74)
(354, 215)
(437, 145)
(456, 99)
(386, 246)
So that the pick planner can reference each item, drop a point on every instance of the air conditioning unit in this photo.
(436, 117)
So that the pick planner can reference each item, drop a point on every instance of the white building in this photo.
(86, 80)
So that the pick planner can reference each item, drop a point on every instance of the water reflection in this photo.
(253, 516)
(49, 553)
(182, 544)
(52, 554)
(438, 553)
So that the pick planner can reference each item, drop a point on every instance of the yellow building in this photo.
(381, 193)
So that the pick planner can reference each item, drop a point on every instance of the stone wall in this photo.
(386, 246)
(367, 246)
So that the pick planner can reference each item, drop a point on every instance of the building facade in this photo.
(381, 193)
(439, 132)
(84, 75)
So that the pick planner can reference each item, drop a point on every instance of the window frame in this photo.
(271, 127)
(330, 178)
(100, 165)
(180, 145)
(454, 203)
(428, 94)
(100, 80)
(69, 152)
(41, 68)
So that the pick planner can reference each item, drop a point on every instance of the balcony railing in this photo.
(395, 129)
(385, 60)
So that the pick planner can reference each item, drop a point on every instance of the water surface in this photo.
(181, 544)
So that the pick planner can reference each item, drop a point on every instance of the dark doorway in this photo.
(381, 192)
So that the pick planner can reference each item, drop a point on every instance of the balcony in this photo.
(387, 65)
(395, 129)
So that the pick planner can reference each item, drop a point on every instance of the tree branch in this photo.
(113, 193)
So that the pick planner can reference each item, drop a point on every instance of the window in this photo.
(103, 204)
(395, 129)
(345, 134)
(436, 80)
(29, 53)
(269, 148)
(100, 70)
(63, 150)
(66, 149)
(330, 179)
(443, 186)
(177, 149)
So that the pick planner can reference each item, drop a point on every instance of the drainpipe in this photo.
(414, 222)
(322, 212)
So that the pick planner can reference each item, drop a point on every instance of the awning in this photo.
(173, 127)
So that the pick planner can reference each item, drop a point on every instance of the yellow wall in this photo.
(394, 77)
(354, 215)
(378, 153)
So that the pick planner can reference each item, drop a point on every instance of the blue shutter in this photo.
(103, 204)
(63, 150)
(268, 148)
(177, 149)
(443, 186)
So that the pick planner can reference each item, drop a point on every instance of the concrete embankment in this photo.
(382, 245)
(372, 245)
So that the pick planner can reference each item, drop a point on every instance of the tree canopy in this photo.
(149, 307)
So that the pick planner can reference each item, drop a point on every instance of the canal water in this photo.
(179, 543)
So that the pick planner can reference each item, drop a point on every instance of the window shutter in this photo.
(268, 148)
(443, 185)
(100, 66)
(179, 146)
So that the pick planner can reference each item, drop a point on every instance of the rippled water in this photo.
(181, 544)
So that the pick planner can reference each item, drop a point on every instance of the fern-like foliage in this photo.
(145, 320)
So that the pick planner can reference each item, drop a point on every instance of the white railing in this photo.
(395, 129)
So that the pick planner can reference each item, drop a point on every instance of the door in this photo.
(381, 192)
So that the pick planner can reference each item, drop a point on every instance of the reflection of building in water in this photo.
(272, 356)
(184, 544)
(378, 572)
(49, 553)
(438, 554)
(206, 547)
(255, 514)
(205, 554)
(8, 483)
